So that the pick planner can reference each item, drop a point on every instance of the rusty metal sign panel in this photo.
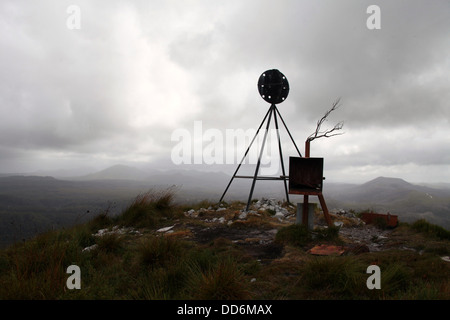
(371, 218)
(305, 175)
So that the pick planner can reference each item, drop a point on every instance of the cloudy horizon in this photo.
(115, 89)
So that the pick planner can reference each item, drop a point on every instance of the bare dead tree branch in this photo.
(330, 132)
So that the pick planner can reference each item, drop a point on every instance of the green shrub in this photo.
(329, 234)
(431, 229)
(295, 234)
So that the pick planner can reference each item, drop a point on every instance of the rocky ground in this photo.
(255, 230)
(352, 229)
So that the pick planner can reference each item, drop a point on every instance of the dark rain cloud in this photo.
(136, 71)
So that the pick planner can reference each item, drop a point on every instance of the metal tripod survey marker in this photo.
(273, 88)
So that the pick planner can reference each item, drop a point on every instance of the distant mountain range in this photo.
(29, 204)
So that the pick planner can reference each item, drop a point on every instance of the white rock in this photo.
(191, 213)
(101, 232)
(87, 249)
(243, 215)
(165, 229)
(279, 215)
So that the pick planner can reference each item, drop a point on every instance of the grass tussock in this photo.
(110, 243)
(147, 209)
(295, 234)
(335, 277)
(36, 269)
(159, 251)
(222, 281)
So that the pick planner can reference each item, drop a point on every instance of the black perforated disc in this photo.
(273, 86)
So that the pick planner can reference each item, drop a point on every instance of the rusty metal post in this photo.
(325, 209)
(305, 197)
(320, 195)
(307, 148)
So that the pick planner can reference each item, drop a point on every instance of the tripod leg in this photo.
(288, 132)
(259, 159)
(281, 157)
(325, 209)
(245, 155)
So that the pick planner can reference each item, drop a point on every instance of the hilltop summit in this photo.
(387, 182)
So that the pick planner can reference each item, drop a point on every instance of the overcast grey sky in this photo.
(115, 90)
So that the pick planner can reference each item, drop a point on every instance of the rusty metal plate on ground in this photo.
(327, 250)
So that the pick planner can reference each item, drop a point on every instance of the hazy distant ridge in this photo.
(117, 172)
